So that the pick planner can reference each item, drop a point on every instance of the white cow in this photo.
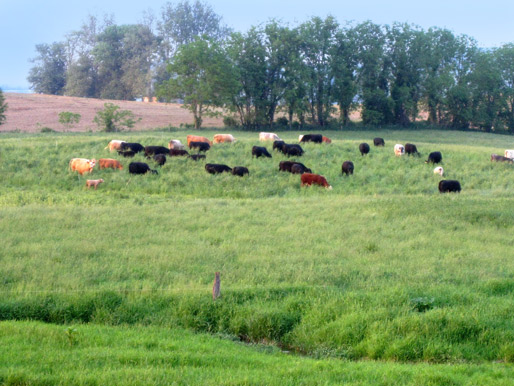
(439, 170)
(175, 144)
(509, 153)
(115, 144)
(268, 137)
(399, 149)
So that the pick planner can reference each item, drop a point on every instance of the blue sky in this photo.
(25, 23)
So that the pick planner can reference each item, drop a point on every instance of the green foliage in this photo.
(112, 119)
(3, 107)
(48, 76)
(68, 119)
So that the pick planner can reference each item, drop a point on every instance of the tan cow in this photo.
(224, 138)
(115, 144)
(94, 183)
(509, 153)
(268, 137)
(82, 165)
(439, 170)
(106, 163)
(197, 138)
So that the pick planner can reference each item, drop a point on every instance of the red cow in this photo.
(316, 179)
(106, 163)
(197, 138)
(326, 139)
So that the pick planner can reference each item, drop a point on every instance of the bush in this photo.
(282, 122)
(68, 119)
(230, 122)
(47, 130)
(3, 107)
(110, 119)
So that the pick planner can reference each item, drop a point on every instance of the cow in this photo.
(308, 179)
(217, 168)
(378, 141)
(177, 153)
(292, 150)
(240, 171)
(287, 166)
(197, 138)
(364, 148)
(94, 183)
(196, 157)
(268, 137)
(82, 165)
(128, 153)
(299, 168)
(106, 163)
(259, 151)
(326, 139)
(140, 168)
(201, 146)
(277, 145)
(132, 146)
(509, 153)
(223, 138)
(175, 144)
(435, 157)
(347, 167)
(447, 186)
(500, 158)
(316, 138)
(115, 144)
(160, 159)
(411, 149)
(439, 170)
(153, 150)
(399, 150)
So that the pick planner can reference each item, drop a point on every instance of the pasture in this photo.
(382, 267)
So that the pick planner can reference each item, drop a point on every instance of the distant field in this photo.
(382, 267)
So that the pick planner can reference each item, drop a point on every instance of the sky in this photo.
(25, 23)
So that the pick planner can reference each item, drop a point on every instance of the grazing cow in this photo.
(106, 163)
(196, 157)
(509, 153)
(347, 167)
(153, 150)
(292, 150)
(201, 146)
(94, 183)
(223, 138)
(217, 168)
(197, 138)
(115, 144)
(177, 153)
(410, 148)
(378, 141)
(399, 150)
(140, 168)
(128, 153)
(316, 138)
(435, 157)
(135, 147)
(160, 159)
(364, 148)
(240, 171)
(439, 170)
(277, 145)
(316, 179)
(268, 137)
(287, 166)
(326, 140)
(299, 168)
(500, 158)
(259, 151)
(175, 144)
(447, 186)
(82, 165)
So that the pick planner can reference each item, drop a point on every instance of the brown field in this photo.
(31, 112)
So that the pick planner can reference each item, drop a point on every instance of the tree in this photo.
(48, 76)
(110, 119)
(3, 107)
(505, 60)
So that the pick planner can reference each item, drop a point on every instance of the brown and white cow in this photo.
(509, 153)
(82, 165)
(399, 149)
(314, 179)
(224, 138)
(268, 137)
(106, 163)
(175, 144)
(197, 138)
(115, 144)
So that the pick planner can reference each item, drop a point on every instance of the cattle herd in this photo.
(202, 144)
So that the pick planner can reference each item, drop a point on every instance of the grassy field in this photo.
(382, 267)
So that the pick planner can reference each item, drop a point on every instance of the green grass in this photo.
(382, 267)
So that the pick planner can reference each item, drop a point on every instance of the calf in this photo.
(201, 146)
(347, 167)
(128, 153)
(439, 170)
(316, 138)
(153, 150)
(316, 179)
(399, 150)
(106, 163)
(277, 145)
(259, 151)
(115, 144)
(217, 168)
(177, 153)
(378, 141)
(140, 168)
(82, 165)
(447, 186)
(364, 148)
(435, 157)
(175, 144)
(410, 149)
(196, 157)
(500, 158)
(160, 159)
(94, 183)
(132, 146)
(268, 137)
(292, 150)
(240, 171)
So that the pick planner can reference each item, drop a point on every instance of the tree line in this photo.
(315, 73)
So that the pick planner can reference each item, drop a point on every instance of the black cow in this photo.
(153, 150)
(316, 138)
(447, 186)
(347, 167)
(378, 141)
(135, 147)
(500, 158)
(140, 168)
(292, 150)
(259, 151)
(410, 149)
(160, 159)
(299, 168)
(128, 153)
(201, 146)
(217, 168)
(196, 157)
(364, 148)
(177, 152)
(240, 171)
(277, 145)
(435, 157)
(287, 166)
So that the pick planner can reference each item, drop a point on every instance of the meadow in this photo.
(382, 276)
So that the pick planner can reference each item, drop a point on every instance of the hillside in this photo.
(31, 112)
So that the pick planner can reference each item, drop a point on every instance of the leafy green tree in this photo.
(111, 118)
(3, 107)
(68, 119)
(48, 76)
(505, 61)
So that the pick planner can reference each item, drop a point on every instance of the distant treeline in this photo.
(315, 73)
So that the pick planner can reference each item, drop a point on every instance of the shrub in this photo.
(68, 119)
(230, 122)
(112, 119)
(47, 130)
(3, 107)
(282, 122)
